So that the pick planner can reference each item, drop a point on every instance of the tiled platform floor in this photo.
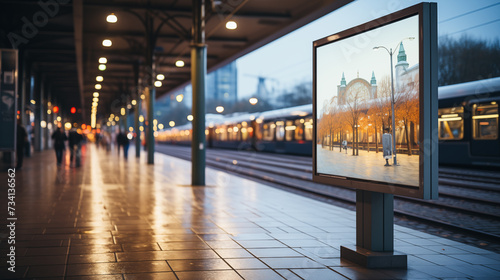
(117, 219)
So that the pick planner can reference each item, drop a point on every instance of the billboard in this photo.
(8, 99)
(375, 102)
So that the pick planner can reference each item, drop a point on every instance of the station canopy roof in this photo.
(61, 41)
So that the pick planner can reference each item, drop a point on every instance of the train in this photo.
(468, 124)
(467, 127)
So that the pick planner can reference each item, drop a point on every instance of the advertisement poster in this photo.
(8, 100)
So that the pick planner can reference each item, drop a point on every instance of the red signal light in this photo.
(73, 110)
(55, 109)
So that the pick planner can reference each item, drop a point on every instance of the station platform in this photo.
(113, 218)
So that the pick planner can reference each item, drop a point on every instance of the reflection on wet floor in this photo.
(123, 219)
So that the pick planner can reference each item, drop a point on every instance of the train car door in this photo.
(280, 136)
(485, 131)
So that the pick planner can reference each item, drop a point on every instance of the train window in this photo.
(485, 121)
(308, 129)
(451, 123)
(221, 133)
(258, 131)
(233, 133)
(244, 131)
(299, 129)
(280, 130)
(289, 129)
(268, 131)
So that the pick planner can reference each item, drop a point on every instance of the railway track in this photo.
(469, 201)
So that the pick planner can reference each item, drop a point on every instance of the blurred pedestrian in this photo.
(59, 137)
(21, 140)
(122, 140)
(75, 144)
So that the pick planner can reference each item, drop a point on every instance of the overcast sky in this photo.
(288, 60)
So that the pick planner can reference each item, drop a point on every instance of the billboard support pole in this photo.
(374, 233)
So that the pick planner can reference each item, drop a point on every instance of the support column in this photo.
(152, 90)
(374, 232)
(39, 85)
(137, 113)
(198, 74)
(45, 115)
(23, 86)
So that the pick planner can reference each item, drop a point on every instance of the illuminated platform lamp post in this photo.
(391, 52)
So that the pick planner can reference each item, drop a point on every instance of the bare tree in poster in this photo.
(334, 116)
(380, 107)
(408, 110)
(323, 123)
(355, 102)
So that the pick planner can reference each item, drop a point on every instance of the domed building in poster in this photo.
(362, 89)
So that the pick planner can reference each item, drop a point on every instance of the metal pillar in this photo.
(39, 85)
(152, 91)
(23, 85)
(374, 232)
(198, 74)
(45, 115)
(137, 112)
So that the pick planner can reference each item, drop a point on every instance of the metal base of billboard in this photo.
(374, 233)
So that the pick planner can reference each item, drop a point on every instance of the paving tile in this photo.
(408, 273)
(474, 259)
(47, 251)
(303, 243)
(41, 260)
(92, 249)
(167, 255)
(19, 272)
(233, 253)
(150, 276)
(187, 245)
(116, 268)
(224, 244)
(274, 252)
(92, 258)
(208, 275)
(439, 271)
(443, 260)
(45, 271)
(247, 263)
(475, 270)
(96, 277)
(356, 272)
(206, 265)
(278, 263)
(137, 247)
(260, 274)
(288, 274)
(318, 273)
(248, 244)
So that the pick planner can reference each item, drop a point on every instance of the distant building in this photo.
(404, 76)
(359, 86)
(222, 84)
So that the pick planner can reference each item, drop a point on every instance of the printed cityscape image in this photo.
(355, 110)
